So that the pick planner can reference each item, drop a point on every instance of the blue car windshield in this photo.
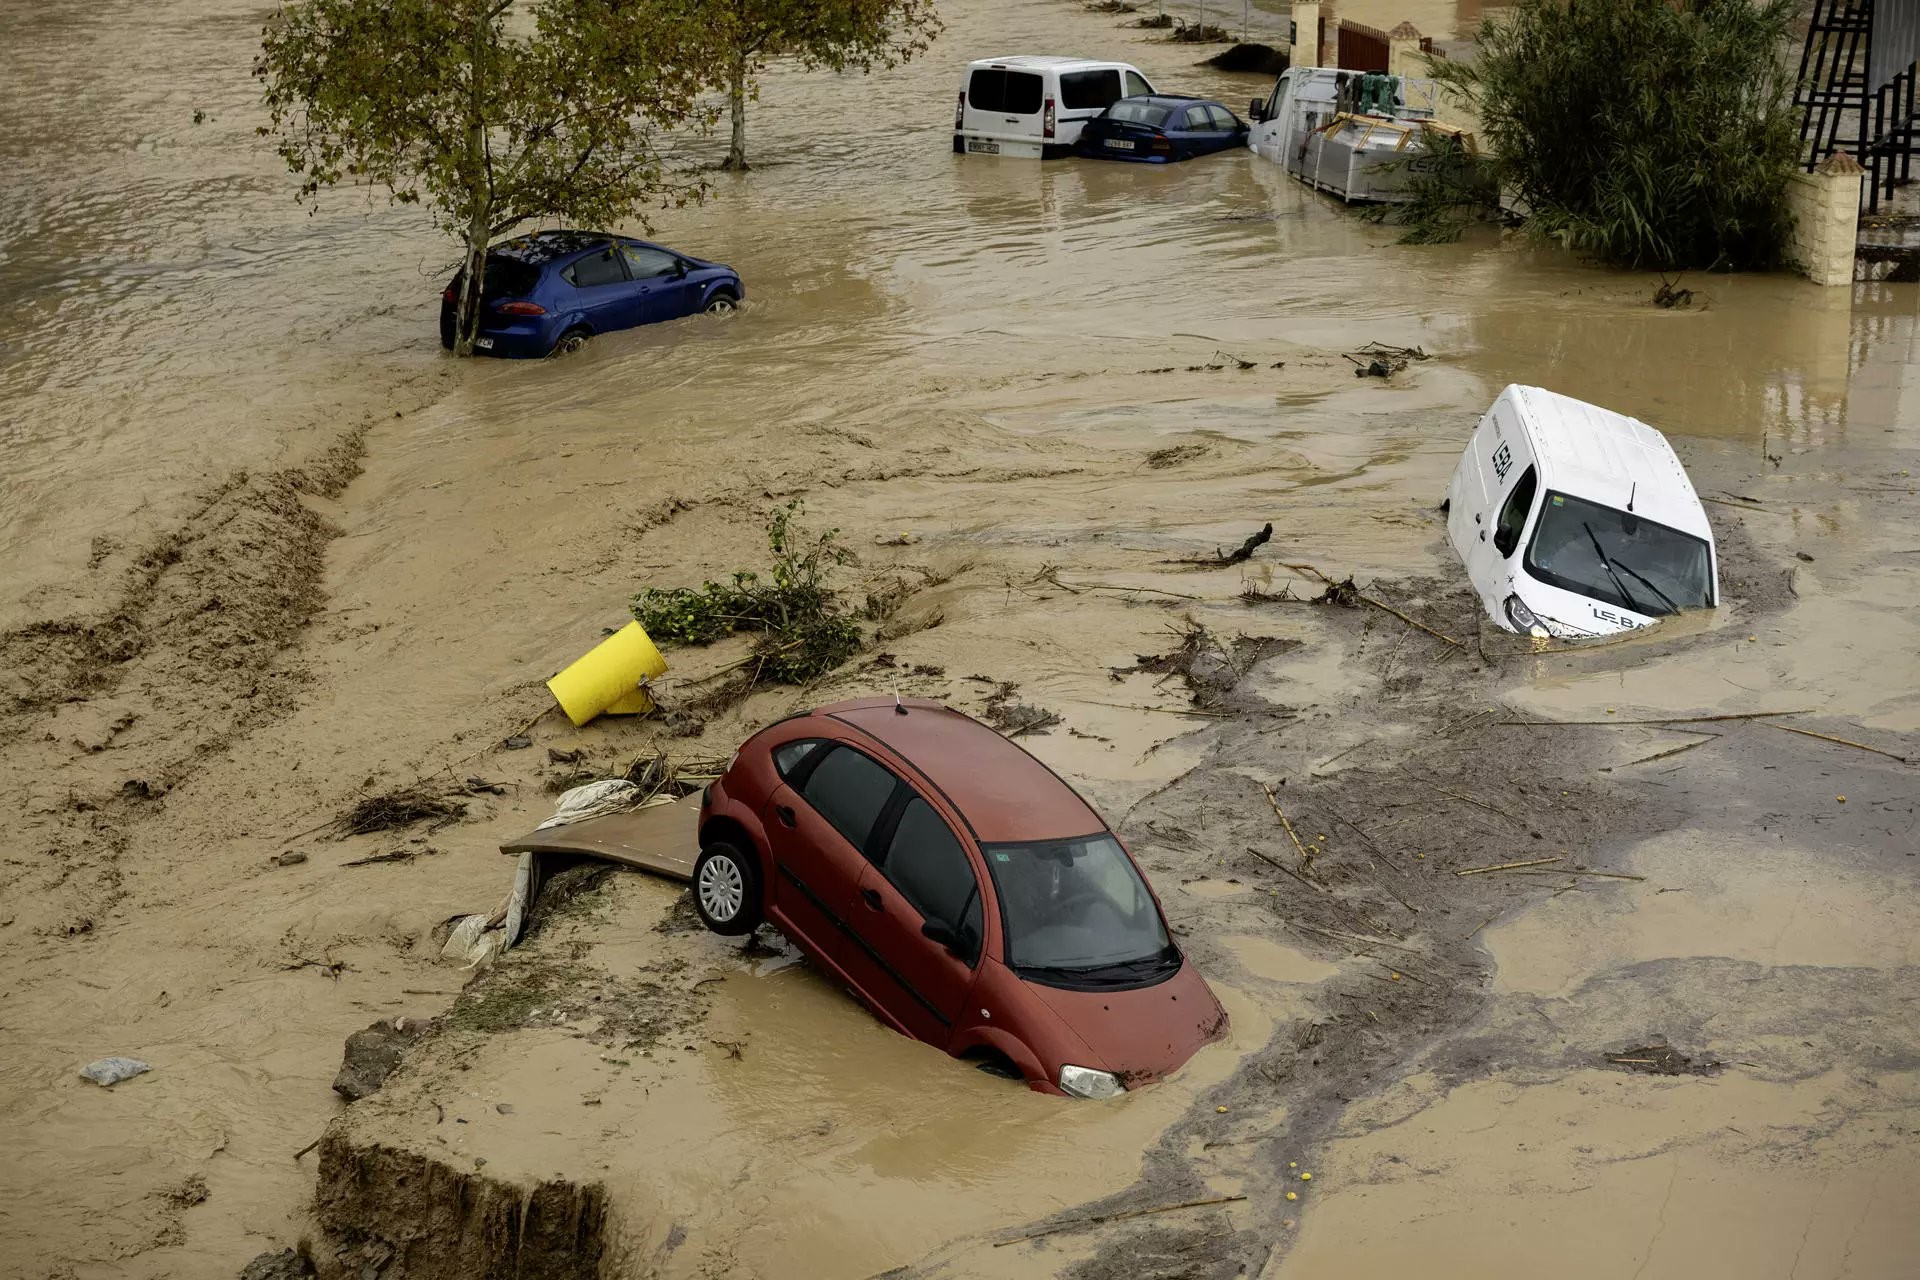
(1146, 113)
(1618, 557)
(1076, 905)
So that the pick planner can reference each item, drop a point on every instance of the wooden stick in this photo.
(1354, 937)
(310, 1146)
(1382, 605)
(1510, 866)
(1305, 857)
(1275, 862)
(1739, 506)
(1845, 742)
(1165, 711)
(1479, 804)
(1705, 738)
(1664, 720)
(1100, 1218)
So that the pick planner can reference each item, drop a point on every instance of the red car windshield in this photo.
(1078, 906)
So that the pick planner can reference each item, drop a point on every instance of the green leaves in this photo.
(803, 631)
(1648, 133)
(488, 113)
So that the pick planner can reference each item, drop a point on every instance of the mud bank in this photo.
(395, 1210)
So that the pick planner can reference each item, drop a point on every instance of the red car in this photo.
(959, 888)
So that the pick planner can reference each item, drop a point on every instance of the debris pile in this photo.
(1377, 360)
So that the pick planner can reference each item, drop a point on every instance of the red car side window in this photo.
(849, 790)
(927, 865)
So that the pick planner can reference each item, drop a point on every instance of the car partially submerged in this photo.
(959, 889)
(1159, 128)
(1573, 520)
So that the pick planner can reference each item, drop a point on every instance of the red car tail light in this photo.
(521, 309)
(1046, 120)
(960, 110)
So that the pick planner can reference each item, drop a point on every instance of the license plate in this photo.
(485, 344)
(1118, 144)
(983, 146)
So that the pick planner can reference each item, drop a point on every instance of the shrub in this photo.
(1648, 133)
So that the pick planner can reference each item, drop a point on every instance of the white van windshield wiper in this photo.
(1641, 577)
(1607, 564)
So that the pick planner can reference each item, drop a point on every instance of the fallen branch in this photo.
(1665, 720)
(1355, 937)
(1381, 605)
(1510, 866)
(1845, 742)
(1274, 862)
(1705, 738)
(310, 1146)
(1098, 1219)
(1479, 804)
(1305, 857)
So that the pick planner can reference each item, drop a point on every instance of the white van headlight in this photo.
(1085, 1082)
(1524, 621)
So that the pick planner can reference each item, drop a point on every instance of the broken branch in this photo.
(1845, 742)
(1381, 605)
(1510, 866)
(1305, 857)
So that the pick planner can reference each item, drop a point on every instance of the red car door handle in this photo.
(872, 898)
(786, 815)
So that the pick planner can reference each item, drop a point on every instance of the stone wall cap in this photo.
(1840, 165)
(1407, 31)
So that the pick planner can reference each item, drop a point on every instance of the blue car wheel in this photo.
(570, 341)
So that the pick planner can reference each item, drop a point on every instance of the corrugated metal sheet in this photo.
(1896, 40)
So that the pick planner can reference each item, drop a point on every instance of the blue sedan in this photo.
(547, 293)
(1157, 128)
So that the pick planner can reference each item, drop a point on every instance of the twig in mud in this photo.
(1510, 866)
(1483, 924)
(1579, 871)
(1664, 720)
(1704, 739)
(1348, 822)
(1239, 556)
(1739, 506)
(1381, 605)
(1845, 742)
(1479, 804)
(1306, 859)
(1343, 755)
(1052, 574)
(1099, 1218)
(1272, 861)
(1355, 937)
(1165, 711)
(310, 1146)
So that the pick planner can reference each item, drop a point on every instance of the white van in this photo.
(1035, 107)
(1573, 520)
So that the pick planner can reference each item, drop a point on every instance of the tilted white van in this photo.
(1573, 520)
(1035, 107)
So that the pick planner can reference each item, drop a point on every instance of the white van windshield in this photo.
(1618, 557)
(1078, 908)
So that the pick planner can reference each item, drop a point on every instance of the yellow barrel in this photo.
(608, 680)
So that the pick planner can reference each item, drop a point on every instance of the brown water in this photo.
(945, 345)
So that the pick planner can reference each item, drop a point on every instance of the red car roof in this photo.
(1002, 792)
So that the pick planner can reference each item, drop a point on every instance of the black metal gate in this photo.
(1856, 89)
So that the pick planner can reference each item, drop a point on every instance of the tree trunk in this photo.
(737, 104)
(466, 316)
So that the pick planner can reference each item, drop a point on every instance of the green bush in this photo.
(803, 630)
(1648, 133)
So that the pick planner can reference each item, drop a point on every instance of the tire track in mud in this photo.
(102, 717)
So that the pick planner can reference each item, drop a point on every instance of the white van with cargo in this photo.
(1573, 520)
(1035, 107)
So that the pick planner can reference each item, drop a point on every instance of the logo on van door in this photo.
(1502, 462)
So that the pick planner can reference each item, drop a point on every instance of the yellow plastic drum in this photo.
(609, 679)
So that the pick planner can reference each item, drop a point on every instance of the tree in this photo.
(489, 113)
(1649, 133)
(840, 35)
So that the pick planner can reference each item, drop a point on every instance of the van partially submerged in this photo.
(1573, 520)
(1034, 107)
(1356, 135)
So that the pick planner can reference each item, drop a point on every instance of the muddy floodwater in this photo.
(265, 549)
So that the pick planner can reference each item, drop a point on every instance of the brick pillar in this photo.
(1306, 34)
(1826, 219)
(1403, 51)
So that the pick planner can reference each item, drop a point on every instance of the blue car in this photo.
(547, 293)
(1161, 127)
